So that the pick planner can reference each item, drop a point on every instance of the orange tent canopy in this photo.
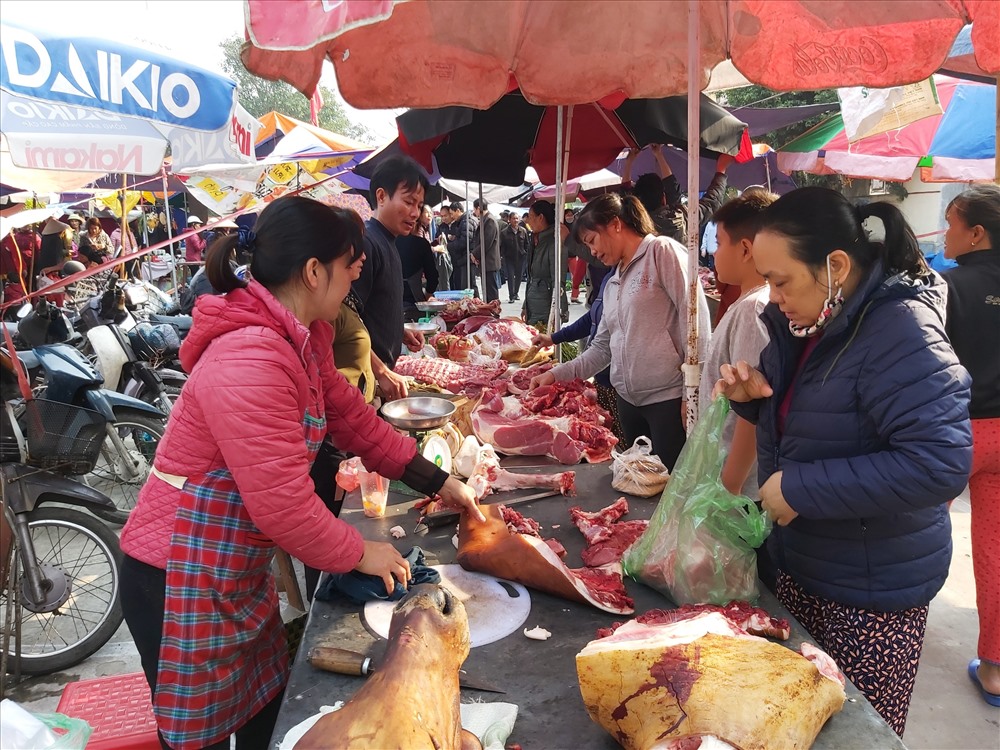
(273, 122)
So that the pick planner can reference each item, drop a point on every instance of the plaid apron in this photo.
(223, 654)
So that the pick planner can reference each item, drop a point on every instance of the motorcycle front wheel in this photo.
(121, 476)
(83, 554)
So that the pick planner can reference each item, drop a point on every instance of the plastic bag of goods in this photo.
(699, 547)
(23, 730)
(636, 471)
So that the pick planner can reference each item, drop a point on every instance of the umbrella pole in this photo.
(692, 367)
(124, 229)
(557, 283)
(563, 175)
(468, 251)
(170, 232)
(482, 241)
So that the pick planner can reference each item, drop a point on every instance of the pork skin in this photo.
(648, 685)
(412, 700)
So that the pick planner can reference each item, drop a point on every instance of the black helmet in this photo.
(72, 266)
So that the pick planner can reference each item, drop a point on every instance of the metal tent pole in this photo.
(170, 232)
(482, 242)
(563, 158)
(557, 282)
(468, 250)
(692, 366)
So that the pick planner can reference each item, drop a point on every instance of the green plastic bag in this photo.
(699, 547)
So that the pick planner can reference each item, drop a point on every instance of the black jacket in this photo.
(488, 226)
(466, 225)
(973, 325)
(513, 242)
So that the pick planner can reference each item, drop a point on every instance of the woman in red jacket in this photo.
(231, 479)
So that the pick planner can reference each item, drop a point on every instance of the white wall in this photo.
(925, 205)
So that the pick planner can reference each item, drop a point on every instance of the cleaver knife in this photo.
(343, 661)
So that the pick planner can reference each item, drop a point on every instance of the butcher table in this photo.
(539, 676)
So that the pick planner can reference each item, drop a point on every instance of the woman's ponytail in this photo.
(899, 250)
(218, 266)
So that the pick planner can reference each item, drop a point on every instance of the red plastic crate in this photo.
(118, 709)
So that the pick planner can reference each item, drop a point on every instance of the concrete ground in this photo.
(947, 712)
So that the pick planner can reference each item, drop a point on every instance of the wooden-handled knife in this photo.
(444, 517)
(343, 661)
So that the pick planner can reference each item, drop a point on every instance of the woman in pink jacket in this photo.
(231, 479)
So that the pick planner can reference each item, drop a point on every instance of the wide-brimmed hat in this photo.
(194, 220)
(76, 217)
(227, 224)
(54, 226)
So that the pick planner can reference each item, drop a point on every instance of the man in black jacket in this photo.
(461, 238)
(488, 236)
(514, 250)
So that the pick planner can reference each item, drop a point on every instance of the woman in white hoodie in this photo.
(642, 334)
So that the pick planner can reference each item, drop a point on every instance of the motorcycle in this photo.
(133, 427)
(59, 566)
(60, 570)
(137, 358)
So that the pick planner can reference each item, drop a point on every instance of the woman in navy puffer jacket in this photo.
(863, 434)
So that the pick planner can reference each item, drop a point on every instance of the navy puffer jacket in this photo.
(876, 441)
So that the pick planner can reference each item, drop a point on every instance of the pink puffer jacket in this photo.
(254, 371)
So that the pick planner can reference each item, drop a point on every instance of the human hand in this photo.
(542, 340)
(546, 378)
(474, 259)
(741, 382)
(773, 502)
(457, 494)
(383, 560)
(413, 340)
(656, 148)
(725, 160)
(632, 153)
(392, 385)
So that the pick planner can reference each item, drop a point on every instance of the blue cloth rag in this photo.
(359, 588)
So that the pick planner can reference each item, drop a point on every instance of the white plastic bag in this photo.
(637, 471)
(23, 730)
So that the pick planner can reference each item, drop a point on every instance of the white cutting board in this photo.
(493, 612)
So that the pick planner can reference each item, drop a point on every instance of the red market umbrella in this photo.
(432, 53)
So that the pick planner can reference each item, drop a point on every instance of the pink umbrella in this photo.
(432, 53)
(956, 145)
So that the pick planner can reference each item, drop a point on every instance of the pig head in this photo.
(412, 700)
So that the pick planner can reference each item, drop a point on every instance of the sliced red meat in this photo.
(596, 526)
(520, 380)
(556, 547)
(623, 535)
(518, 524)
(744, 615)
(471, 324)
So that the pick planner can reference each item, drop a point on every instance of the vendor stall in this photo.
(538, 676)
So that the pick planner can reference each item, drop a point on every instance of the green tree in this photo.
(260, 96)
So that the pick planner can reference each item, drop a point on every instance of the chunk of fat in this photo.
(637, 635)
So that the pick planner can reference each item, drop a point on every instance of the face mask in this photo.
(831, 307)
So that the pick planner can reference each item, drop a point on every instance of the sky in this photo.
(187, 29)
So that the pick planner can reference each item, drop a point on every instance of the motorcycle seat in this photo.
(181, 322)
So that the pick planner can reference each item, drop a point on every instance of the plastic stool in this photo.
(118, 709)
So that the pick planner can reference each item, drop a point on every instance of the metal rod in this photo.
(468, 251)
(170, 232)
(692, 367)
(557, 282)
(482, 241)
